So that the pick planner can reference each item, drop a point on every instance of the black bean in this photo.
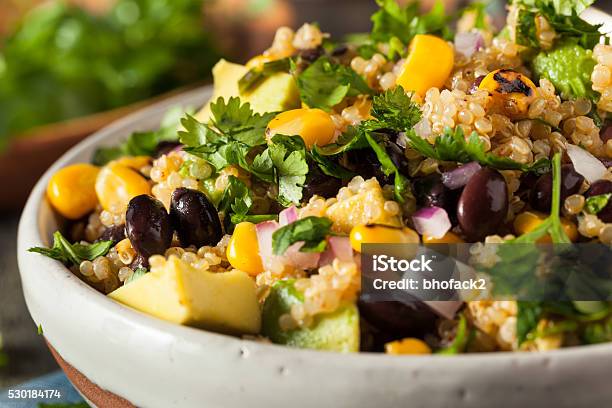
(541, 193)
(483, 204)
(429, 191)
(115, 233)
(339, 50)
(195, 218)
(148, 226)
(399, 318)
(311, 55)
(320, 184)
(365, 163)
(600, 187)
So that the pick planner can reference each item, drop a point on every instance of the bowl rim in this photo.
(30, 234)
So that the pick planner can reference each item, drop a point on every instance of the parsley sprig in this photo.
(73, 254)
(325, 84)
(454, 146)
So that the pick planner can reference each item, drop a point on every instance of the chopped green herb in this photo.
(527, 318)
(236, 200)
(39, 330)
(595, 204)
(73, 254)
(453, 146)
(288, 154)
(401, 183)
(313, 231)
(394, 21)
(325, 84)
(143, 143)
(562, 16)
(598, 332)
(394, 109)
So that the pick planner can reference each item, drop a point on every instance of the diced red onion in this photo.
(341, 248)
(459, 177)
(302, 260)
(287, 216)
(585, 163)
(468, 43)
(431, 221)
(444, 308)
(264, 237)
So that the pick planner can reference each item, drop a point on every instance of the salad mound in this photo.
(248, 216)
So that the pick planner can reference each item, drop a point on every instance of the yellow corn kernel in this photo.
(381, 234)
(429, 63)
(529, 220)
(117, 184)
(134, 162)
(511, 92)
(71, 190)
(243, 249)
(408, 345)
(314, 126)
(448, 238)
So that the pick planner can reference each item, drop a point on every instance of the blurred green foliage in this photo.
(62, 62)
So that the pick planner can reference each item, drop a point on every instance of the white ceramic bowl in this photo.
(152, 363)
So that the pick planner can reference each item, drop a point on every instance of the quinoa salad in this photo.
(247, 216)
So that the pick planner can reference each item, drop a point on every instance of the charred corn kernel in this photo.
(71, 190)
(117, 184)
(243, 249)
(510, 91)
(381, 234)
(314, 126)
(408, 345)
(429, 63)
(529, 220)
(448, 238)
(134, 162)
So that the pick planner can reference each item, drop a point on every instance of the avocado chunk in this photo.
(276, 93)
(224, 302)
(337, 331)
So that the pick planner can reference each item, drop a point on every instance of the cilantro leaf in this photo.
(527, 318)
(329, 167)
(453, 146)
(401, 184)
(394, 21)
(597, 203)
(238, 122)
(288, 154)
(395, 110)
(73, 254)
(236, 199)
(325, 84)
(563, 16)
(352, 139)
(143, 143)
(311, 230)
